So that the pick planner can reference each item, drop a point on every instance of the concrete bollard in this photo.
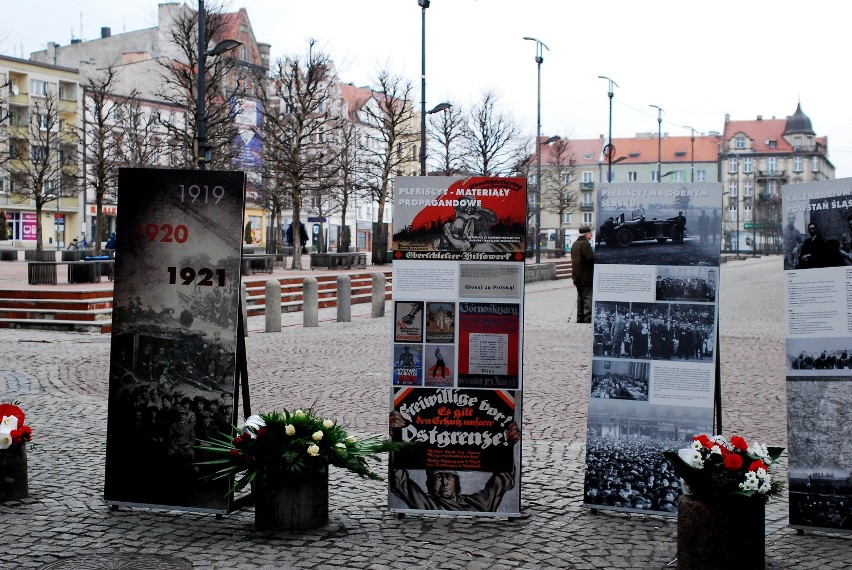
(378, 295)
(243, 304)
(272, 300)
(310, 303)
(344, 298)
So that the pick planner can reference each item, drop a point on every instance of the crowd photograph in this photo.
(657, 331)
(620, 380)
(673, 287)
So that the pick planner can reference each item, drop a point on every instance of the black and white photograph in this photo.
(676, 224)
(173, 353)
(620, 379)
(820, 470)
(819, 356)
(654, 331)
(625, 469)
(697, 284)
(440, 322)
(817, 231)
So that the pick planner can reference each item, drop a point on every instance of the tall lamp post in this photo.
(204, 149)
(423, 5)
(659, 142)
(539, 58)
(609, 149)
(691, 154)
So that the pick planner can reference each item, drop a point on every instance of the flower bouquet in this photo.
(13, 431)
(284, 448)
(714, 467)
(14, 436)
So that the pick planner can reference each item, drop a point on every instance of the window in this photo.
(772, 187)
(740, 142)
(43, 122)
(815, 164)
(772, 164)
(588, 218)
(772, 144)
(678, 176)
(797, 141)
(38, 87)
(588, 177)
(566, 217)
(732, 213)
(748, 165)
(701, 176)
(38, 152)
(747, 212)
(732, 166)
(654, 176)
(798, 164)
(632, 176)
(565, 177)
(612, 176)
(747, 190)
(587, 200)
(732, 188)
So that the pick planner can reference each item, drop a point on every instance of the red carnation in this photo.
(733, 462)
(238, 440)
(234, 453)
(12, 410)
(261, 431)
(739, 443)
(758, 464)
(702, 439)
(247, 458)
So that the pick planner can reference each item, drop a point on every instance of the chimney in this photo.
(727, 117)
(760, 117)
(106, 32)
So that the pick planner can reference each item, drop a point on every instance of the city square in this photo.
(61, 380)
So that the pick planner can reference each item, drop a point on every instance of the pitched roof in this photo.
(642, 150)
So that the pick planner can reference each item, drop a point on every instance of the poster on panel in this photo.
(654, 320)
(817, 243)
(457, 337)
(174, 327)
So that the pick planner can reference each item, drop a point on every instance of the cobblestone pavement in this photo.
(62, 379)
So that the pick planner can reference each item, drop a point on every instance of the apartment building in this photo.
(39, 146)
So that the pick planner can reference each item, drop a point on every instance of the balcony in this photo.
(771, 175)
(587, 206)
(587, 186)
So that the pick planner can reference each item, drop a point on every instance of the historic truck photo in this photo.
(621, 232)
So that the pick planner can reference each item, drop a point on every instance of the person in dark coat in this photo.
(582, 273)
(303, 236)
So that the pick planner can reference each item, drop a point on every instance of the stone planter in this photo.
(298, 506)
(720, 534)
(13, 473)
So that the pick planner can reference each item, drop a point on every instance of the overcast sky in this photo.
(698, 61)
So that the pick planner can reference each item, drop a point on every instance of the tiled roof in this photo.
(642, 150)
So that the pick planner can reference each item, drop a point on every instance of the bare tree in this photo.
(296, 119)
(180, 88)
(144, 141)
(558, 194)
(43, 165)
(490, 139)
(350, 174)
(446, 132)
(389, 116)
(101, 141)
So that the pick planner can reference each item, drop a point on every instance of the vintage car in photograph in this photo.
(622, 232)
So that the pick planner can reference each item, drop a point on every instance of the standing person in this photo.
(582, 273)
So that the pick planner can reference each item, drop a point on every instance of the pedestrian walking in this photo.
(582, 273)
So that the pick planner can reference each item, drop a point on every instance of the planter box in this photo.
(13, 473)
(720, 535)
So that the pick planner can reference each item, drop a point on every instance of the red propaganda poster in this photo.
(444, 218)
(489, 345)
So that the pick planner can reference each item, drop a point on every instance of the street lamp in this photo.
(691, 154)
(539, 57)
(201, 118)
(609, 149)
(423, 5)
(436, 109)
(659, 141)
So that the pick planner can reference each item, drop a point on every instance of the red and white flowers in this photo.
(13, 431)
(714, 467)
